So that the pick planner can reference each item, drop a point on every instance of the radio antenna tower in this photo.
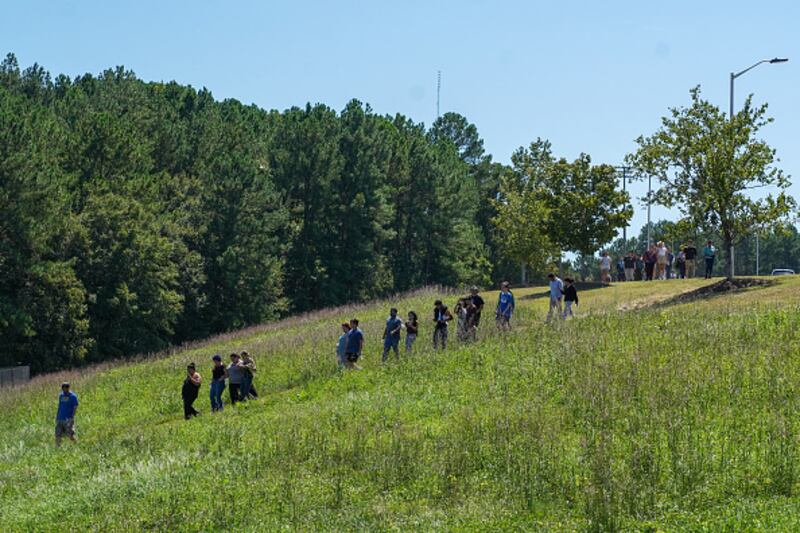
(438, 90)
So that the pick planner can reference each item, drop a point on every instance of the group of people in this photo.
(238, 375)
(468, 311)
(658, 262)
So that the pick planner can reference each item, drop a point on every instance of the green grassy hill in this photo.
(640, 415)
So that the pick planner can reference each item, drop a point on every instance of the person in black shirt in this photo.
(691, 259)
(218, 375)
(441, 316)
(570, 296)
(191, 385)
(630, 266)
(478, 302)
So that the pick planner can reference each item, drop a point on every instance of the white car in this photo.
(782, 272)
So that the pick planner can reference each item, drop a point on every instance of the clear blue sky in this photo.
(588, 76)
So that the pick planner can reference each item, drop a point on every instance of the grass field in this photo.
(637, 416)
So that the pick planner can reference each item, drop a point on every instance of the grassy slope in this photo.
(678, 417)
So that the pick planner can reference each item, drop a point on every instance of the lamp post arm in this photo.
(751, 67)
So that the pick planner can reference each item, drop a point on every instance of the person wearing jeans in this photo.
(391, 335)
(709, 253)
(218, 374)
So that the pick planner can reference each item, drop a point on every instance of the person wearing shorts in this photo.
(65, 416)
(355, 346)
(505, 307)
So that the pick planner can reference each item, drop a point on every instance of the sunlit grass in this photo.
(665, 417)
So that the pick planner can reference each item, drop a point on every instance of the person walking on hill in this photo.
(461, 317)
(621, 269)
(341, 346)
(680, 262)
(639, 270)
(235, 378)
(391, 335)
(691, 259)
(478, 302)
(412, 329)
(248, 373)
(218, 375)
(189, 391)
(355, 346)
(65, 416)
(629, 262)
(505, 307)
(670, 262)
(441, 316)
(605, 273)
(661, 260)
(570, 297)
(650, 257)
(709, 253)
(556, 293)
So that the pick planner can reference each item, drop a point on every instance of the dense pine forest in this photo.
(134, 215)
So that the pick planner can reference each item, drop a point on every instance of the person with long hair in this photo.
(412, 329)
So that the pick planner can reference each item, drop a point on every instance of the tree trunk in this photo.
(729, 250)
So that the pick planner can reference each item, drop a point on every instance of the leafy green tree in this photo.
(707, 165)
(586, 205)
(522, 220)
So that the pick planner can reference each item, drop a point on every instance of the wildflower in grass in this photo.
(191, 386)
(65, 416)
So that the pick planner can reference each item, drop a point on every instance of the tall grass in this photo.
(679, 417)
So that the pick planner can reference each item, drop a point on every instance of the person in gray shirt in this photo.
(235, 377)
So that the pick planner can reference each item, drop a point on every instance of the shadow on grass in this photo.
(579, 285)
(715, 290)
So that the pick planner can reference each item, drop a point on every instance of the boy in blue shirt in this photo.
(505, 307)
(65, 417)
(391, 335)
(355, 345)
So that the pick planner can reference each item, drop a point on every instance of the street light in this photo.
(730, 114)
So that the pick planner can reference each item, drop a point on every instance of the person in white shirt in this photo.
(662, 257)
(556, 295)
(605, 268)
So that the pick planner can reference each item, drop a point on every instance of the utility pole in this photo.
(649, 190)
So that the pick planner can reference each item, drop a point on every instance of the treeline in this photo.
(134, 215)
(137, 214)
